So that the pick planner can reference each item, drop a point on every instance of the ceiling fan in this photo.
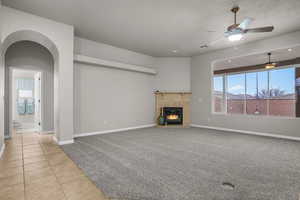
(236, 31)
(270, 65)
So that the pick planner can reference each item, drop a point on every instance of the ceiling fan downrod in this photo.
(235, 10)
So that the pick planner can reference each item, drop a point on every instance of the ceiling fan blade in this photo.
(260, 30)
(245, 23)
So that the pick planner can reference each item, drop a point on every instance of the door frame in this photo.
(10, 98)
(39, 101)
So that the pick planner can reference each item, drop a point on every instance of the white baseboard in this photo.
(46, 132)
(114, 130)
(248, 132)
(2, 150)
(62, 142)
(66, 142)
(27, 131)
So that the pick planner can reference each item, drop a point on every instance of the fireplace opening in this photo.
(173, 115)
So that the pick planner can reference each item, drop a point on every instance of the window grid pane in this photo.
(218, 94)
(282, 92)
(257, 93)
(236, 93)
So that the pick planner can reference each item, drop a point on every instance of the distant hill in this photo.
(238, 96)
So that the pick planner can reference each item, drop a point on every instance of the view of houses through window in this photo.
(264, 92)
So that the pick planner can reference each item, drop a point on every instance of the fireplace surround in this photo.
(178, 104)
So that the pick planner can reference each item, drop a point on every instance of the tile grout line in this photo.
(25, 141)
(51, 167)
(75, 179)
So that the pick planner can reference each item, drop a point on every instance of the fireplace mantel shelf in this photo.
(172, 92)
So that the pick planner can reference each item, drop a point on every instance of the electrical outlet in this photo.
(105, 122)
(200, 100)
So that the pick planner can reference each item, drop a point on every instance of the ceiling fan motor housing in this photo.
(234, 31)
(234, 28)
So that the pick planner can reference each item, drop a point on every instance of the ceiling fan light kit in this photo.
(270, 65)
(235, 37)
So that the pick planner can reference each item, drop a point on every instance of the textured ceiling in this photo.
(158, 27)
(256, 59)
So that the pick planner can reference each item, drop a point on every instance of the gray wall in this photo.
(201, 79)
(108, 99)
(173, 74)
(32, 56)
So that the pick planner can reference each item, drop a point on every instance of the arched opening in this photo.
(14, 44)
(29, 88)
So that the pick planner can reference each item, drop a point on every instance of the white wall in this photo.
(59, 39)
(32, 56)
(201, 77)
(173, 74)
(104, 95)
(107, 98)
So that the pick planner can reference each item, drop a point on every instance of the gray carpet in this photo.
(189, 164)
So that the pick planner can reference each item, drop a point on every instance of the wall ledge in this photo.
(248, 132)
(113, 64)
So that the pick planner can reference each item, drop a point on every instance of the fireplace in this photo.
(173, 115)
(172, 108)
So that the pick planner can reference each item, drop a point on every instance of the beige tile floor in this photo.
(33, 167)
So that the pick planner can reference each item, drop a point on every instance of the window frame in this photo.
(225, 86)
(224, 95)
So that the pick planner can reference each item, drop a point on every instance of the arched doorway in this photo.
(29, 88)
(40, 39)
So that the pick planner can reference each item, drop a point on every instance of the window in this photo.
(219, 94)
(282, 92)
(236, 93)
(265, 92)
(257, 93)
(25, 94)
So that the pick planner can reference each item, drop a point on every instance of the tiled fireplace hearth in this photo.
(174, 107)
